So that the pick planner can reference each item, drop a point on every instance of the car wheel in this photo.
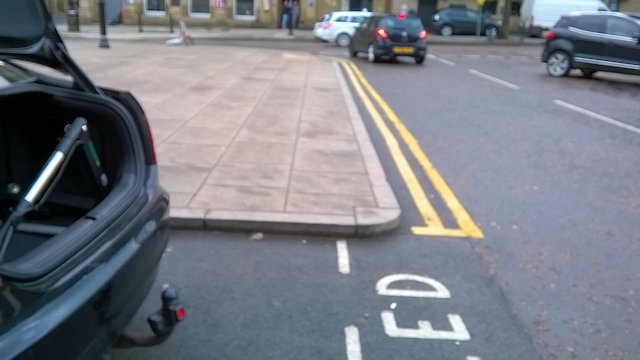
(343, 40)
(491, 32)
(587, 73)
(371, 54)
(446, 30)
(419, 59)
(352, 51)
(559, 64)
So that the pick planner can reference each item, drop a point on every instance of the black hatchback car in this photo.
(591, 42)
(83, 220)
(463, 21)
(389, 36)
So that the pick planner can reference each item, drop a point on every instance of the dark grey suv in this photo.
(593, 41)
(390, 36)
(459, 20)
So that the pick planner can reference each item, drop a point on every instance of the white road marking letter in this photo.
(439, 291)
(343, 257)
(352, 341)
(425, 330)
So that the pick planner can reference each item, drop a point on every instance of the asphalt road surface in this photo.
(542, 166)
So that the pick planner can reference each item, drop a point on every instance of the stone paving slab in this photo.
(252, 139)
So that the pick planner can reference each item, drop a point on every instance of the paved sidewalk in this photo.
(251, 139)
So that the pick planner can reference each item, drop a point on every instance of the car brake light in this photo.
(402, 16)
(550, 35)
(328, 26)
(422, 35)
(382, 33)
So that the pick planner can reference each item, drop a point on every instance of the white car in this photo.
(338, 26)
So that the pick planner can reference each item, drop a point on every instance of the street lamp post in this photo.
(139, 12)
(104, 42)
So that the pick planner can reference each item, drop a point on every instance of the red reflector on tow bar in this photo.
(180, 314)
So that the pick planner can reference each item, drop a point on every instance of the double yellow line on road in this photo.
(433, 225)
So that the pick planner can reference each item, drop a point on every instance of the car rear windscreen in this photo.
(407, 23)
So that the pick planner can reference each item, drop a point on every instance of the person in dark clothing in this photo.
(286, 13)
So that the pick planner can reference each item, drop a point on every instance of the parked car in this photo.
(390, 36)
(593, 41)
(538, 16)
(84, 222)
(339, 26)
(463, 21)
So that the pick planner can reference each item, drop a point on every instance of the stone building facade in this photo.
(267, 13)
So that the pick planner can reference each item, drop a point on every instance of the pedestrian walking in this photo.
(286, 13)
(293, 18)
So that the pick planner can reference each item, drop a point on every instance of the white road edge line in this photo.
(343, 257)
(596, 116)
(444, 61)
(494, 79)
(352, 341)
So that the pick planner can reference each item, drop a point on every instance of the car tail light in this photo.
(328, 26)
(382, 33)
(422, 35)
(402, 16)
(550, 35)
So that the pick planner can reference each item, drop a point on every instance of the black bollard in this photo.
(104, 42)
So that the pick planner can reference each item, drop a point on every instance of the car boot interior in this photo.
(51, 232)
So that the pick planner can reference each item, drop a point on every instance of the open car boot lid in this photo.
(27, 33)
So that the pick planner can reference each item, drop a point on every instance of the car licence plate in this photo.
(403, 49)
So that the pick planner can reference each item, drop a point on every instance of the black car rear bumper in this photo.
(393, 49)
(82, 320)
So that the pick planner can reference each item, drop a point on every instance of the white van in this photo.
(538, 16)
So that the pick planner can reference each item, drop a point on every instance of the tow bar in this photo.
(171, 313)
(162, 323)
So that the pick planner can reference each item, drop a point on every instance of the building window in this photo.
(490, 7)
(154, 7)
(515, 8)
(199, 8)
(244, 10)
